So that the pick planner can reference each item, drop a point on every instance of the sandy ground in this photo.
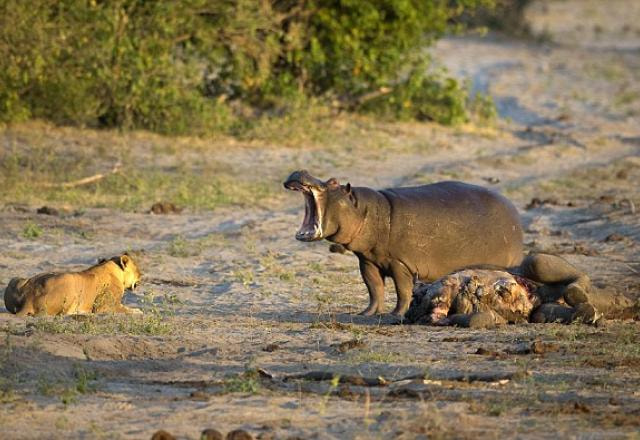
(235, 307)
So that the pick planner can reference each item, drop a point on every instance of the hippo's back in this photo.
(439, 228)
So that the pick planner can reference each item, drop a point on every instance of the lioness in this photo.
(97, 289)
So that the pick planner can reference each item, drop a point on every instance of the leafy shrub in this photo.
(203, 65)
(114, 63)
(350, 51)
(423, 96)
(505, 16)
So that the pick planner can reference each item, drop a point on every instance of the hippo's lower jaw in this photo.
(309, 234)
(311, 228)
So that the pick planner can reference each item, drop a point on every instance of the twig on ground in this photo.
(85, 180)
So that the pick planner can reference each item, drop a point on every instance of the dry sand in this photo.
(234, 304)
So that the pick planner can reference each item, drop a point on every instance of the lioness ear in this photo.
(124, 260)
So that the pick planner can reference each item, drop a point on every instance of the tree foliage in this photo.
(188, 65)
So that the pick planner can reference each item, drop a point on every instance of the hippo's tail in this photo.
(14, 296)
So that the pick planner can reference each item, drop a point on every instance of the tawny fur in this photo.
(97, 289)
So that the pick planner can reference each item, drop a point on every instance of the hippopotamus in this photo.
(421, 232)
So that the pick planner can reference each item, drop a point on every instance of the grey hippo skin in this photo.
(422, 232)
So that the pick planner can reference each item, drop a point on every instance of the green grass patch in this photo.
(244, 276)
(147, 324)
(34, 178)
(31, 231)
(183, 248)
(247, 382)
(83, 382)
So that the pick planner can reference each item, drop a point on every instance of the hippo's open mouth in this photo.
(312, 189)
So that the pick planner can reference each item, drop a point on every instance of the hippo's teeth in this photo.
(309, 233)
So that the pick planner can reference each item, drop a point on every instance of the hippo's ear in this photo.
(349, 192)
(332, 183)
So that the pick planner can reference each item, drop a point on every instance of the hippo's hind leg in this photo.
(475, 320)
(403, 280)
(549, 269)
(551, 312)
(374, 280)
(557, 272)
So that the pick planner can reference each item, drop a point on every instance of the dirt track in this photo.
(234, 304)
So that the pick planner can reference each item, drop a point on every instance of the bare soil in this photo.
(246, 328)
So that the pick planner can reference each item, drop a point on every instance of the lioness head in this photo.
(131, 273)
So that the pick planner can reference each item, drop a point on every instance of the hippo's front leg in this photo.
(403, 280)
(374, 280)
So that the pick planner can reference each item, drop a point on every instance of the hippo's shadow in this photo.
(327, 318)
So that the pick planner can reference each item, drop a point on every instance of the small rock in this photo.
(264, 373)
(484, 351)
(581, 407)
(211, 434)
(615, 401)
(162, 435)
(349, 345)
(345, 392)
(622, 174)
(584, 249)
(614, 237)
(164, 208)
(607, 198)
(536, 347)
(239, 434)
(271, 347)
(539, 347)
(492, 353)
(199, 395)
(47, 210)
(536, 202)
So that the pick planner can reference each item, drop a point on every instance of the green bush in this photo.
(423, 96)
(350, 51)
(506, 16)
(196, 66)
(112, 63)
